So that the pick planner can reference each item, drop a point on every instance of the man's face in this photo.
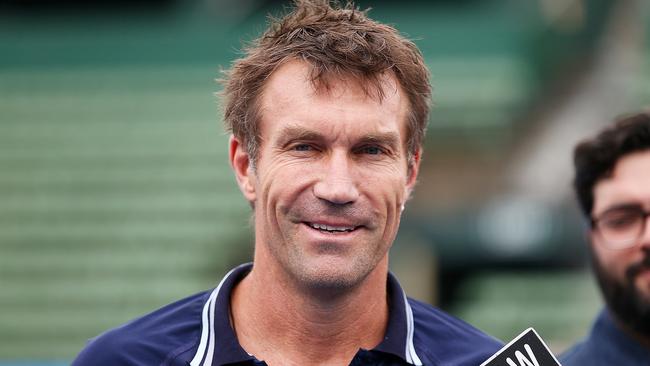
(624, 274)
(331, 178)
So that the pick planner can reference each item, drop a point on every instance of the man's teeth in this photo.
(332, 228)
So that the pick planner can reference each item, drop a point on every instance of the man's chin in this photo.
(331, 276)
(639, 319)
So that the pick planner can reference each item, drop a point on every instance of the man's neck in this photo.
(283, 326)
(642, 339)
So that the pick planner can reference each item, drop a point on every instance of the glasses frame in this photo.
(594, 221)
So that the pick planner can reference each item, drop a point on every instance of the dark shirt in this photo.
(196, 331)
(606, 345)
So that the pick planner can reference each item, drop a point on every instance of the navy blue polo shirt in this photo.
(196, 331)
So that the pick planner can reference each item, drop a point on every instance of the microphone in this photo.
(527, 349)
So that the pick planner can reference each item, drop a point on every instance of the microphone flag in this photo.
(527, 349)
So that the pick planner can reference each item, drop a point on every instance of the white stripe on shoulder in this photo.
(208, 356)
(204, 330)
(207, 327)
(411, 355)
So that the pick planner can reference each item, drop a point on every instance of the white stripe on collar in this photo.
(207, 327)
(411, 355)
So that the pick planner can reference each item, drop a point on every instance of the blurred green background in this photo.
(116, 196)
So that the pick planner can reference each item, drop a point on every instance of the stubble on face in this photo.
(327, 273)
(331, 130)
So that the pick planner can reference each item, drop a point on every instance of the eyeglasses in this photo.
(622, 226)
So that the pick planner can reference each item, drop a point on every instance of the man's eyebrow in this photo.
(389, 139)
(291, 133)
(622, 206)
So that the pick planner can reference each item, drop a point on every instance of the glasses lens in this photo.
(620, 228)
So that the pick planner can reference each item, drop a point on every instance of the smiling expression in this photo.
(331, 178)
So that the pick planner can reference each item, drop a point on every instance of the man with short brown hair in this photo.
(612, 182)
(328, 111)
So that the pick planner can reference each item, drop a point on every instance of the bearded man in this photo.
(612, 182)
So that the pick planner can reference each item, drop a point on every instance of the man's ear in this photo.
(412, 171)
(243, 168)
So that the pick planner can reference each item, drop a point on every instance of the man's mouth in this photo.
(639, 268)
(333, 229)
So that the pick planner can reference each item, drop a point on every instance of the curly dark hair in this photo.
(337, 42)
(595, 159)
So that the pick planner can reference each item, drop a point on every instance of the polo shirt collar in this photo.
(219, 345)
(399, 332)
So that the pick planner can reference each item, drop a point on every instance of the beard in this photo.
(624, 300)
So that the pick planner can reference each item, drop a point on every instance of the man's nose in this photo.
(337, 185)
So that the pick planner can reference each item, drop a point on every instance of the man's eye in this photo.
(620, 221)
(302, 147)
(371, 150)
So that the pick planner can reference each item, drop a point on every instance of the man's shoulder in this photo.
(577, 355)
(449, 340)
(606, 344)
(592, 352)
(156, 338)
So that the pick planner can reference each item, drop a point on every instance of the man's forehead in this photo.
(629, 182)
(290, 97)
(296, 74)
